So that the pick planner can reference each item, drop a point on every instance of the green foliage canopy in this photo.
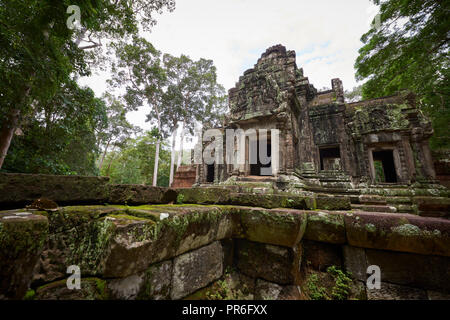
(133, 163)
(410, 50)
(59, 136)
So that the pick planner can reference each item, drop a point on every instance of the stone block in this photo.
(325, 227)
(86, 245)
(272, 263)
(196, 269)
(126, 288)
(355, 262)
(148, 242)
(389, 291)
(281, 227)
(140, 194)
(271, 201)
(204, 195)
(320, 256)
(22, 238)
(18, 190)
(398, 232)
(267, 290)
(333, 203)
(432, 206)
(413, 270)
(158, 281)
(91, 289)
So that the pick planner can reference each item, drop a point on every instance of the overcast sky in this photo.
(234, 33)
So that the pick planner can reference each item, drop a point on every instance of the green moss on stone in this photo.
(29, 295)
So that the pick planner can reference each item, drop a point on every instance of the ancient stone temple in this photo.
(322, 139)
(335, 189)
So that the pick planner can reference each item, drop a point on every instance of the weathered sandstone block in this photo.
(146, 242)
(140, 194)
(412, 270)
(320, 256)
(91, 289)
(389, 291)
(22, 237)
(333, 203)
(196, 269)
(325, 227)
(398, 232)
(272, 263)
(355, 262)
(204, 195)
(153, 284)
(283, 227)
(18, 190)
(78, 236)
(271, 201)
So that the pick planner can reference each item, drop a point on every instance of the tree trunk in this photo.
(172, 157)
(155, 167)
(7, 132)
(158, 143)
(103, 156)
(108, 170)
(180, 154)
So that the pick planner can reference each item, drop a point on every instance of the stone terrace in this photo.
(139, 242)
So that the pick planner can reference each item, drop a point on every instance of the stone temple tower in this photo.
(321, 141)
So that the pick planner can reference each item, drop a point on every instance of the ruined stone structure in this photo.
(354, 186)
(184, 177)
(142, 242)
(322, 138)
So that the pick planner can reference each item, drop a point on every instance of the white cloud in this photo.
(234, 33)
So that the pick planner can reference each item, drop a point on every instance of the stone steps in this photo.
(374, 208)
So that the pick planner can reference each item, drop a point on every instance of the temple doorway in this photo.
(210, 173)
(384, 166)
(258, 168)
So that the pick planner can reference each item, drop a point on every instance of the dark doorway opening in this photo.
(210, 173)
(330, 158)
(384, 166)
(259, 169)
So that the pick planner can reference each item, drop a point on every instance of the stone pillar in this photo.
(275, 151)
(338, 88)
(282, 150)
(290, 152)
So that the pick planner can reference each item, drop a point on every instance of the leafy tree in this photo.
(59, 136)
(354, 95)
(39, 53)
(117, 19)
(133, 162)
(118, 130)
(138, 70)
(193, 95)
(409, 50)
(36, 56)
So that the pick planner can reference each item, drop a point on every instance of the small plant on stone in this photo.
(222, 290)
(341, 290)
(29, 295)
(180, 198)
(315, 291)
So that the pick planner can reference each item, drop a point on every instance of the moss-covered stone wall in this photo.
(186, 251)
